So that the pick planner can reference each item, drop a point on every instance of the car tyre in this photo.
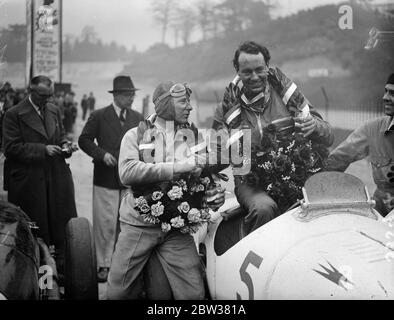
(80, 261)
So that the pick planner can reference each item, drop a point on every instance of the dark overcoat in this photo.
(103, 133)
(41, 185)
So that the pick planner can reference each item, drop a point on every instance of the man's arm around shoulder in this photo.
(355, 147)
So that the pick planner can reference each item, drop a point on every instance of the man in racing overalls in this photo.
(258, 96)
(156, 152)
(375, 140)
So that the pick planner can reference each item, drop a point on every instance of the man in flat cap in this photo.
(142, 165)
(375, 140)
(107, 126)
(36, 174)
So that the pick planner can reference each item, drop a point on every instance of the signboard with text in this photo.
(44, 39)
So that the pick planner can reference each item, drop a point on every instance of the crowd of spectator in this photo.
(68, 108)
(8, 98)
(87, 104)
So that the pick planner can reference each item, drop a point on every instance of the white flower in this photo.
(287, 178)
(291, 145)
(205, 181)
(175, 193)
(183, 184)
(145, 208)
(140, 201)
(267, 165)
(157, 209)
(293, 167)
(177, 222)
(184, 207)
(194, 215)
(165, 227)
(200, 188)
(157, 195)
(269, 187)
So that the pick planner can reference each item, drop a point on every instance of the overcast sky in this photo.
(128, 22)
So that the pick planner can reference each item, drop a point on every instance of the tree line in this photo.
(307, 34)
(211, 18)
(86, 47)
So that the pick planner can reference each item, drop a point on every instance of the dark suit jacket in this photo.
(104, 126)
(41, 185)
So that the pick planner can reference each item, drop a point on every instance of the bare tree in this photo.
(366, 4)
(232, 14)
(185, 21)
(259, 11)
(175, 28)
(162, 10)
(88, 34)
(214, 26)
(205, 9)
(235, 15)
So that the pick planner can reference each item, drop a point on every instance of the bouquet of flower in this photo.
(177, 204)
(283, 162)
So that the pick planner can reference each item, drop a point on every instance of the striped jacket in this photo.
(281, 99)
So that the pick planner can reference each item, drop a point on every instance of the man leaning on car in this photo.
(375, 140)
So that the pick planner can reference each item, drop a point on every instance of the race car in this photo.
(28, 269)
(333, 245)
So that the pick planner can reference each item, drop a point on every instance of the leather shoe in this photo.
(102, 274)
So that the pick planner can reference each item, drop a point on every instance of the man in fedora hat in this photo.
(107, 126)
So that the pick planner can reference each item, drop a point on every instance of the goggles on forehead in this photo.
(177, 90)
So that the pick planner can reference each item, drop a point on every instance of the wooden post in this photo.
(61, 41)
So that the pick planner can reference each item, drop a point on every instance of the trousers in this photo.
(105, 223)
(176, 252)
(260, 207)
